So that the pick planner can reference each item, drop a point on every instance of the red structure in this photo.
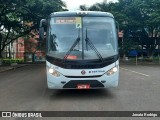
(18, 48)
(25, 49)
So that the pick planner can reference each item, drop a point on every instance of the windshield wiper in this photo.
(72, 48)
(89, 42)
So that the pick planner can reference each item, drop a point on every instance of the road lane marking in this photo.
(135, 72)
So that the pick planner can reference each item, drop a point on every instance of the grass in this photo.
(10, 61)
(154, 59)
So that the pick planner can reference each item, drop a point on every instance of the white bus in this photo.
(82, 50)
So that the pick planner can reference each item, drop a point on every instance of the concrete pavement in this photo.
(25, 89)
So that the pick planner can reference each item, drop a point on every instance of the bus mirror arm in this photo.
(43, 23)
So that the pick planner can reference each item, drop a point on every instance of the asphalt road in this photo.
(25, 89)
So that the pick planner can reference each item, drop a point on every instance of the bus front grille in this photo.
(84, 76)
(92, 83)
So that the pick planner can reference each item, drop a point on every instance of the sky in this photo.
(73, 5)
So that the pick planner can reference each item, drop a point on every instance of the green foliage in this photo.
(10, 61)
(83, 7)
(19, 17)
(139, 19)
(128, 45)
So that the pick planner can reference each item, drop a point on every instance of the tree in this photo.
(143, 23)
(138, 19)
(83, 7)
(19, 18)
(31, 45)
(128, 45)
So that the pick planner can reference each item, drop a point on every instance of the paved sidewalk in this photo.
(11, 67)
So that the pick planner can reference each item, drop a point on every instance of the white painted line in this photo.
(135, 72)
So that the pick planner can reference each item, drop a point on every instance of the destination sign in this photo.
(65, 20)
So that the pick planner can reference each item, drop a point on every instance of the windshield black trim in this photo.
(82, 64)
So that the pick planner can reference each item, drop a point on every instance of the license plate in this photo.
(83, 86)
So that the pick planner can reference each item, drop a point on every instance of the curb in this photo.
(12, 68)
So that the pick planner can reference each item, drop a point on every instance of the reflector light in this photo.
(72, 57)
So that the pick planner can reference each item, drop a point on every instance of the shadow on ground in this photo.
(81, 94)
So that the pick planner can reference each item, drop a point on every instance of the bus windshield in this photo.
(80, 38)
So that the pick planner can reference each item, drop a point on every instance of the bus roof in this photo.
(81, 13)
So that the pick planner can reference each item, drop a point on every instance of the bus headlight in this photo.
(112, 71)
(54, 72)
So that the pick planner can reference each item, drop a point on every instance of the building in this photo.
(18, 48)
(24, 49)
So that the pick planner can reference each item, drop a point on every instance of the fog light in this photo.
(112, 71)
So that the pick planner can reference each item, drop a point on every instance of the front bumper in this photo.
(103, 81)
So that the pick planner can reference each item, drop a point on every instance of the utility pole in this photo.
(159, 50)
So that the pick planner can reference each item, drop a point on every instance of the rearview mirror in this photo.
(41, 34)
(117, 26)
